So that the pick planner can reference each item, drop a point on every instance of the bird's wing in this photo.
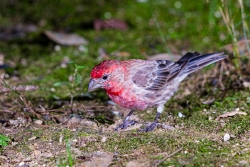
(157, 74)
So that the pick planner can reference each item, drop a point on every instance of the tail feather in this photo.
(195, 62)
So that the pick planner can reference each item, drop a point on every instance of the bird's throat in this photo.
(113, 92)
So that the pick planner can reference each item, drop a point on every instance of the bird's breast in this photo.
(127, 99)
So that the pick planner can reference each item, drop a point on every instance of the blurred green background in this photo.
(154, 27)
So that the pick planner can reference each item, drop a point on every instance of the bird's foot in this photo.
(149, 127)
(125, 124)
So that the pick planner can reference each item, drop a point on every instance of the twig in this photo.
(158, 162)
(27, 103)
(25, 88)
(29, 106)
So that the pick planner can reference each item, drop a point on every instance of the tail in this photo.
(193, 61)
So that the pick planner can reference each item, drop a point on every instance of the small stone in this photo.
(81, 48)
(52, 89)
(226, 137)
(117, 113)
(111, 103)
(104, 139)
(21, 164)
(246, 84)
(180, 115)
(39, 122)
(57, 48)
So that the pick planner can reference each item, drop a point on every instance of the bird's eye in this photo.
(105, 77)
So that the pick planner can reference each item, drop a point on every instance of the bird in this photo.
(139, 84)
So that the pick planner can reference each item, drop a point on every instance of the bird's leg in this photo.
(126, 123)
(154, 124)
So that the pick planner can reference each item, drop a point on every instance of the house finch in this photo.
(139, 84)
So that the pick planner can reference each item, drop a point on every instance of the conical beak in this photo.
(93, 85)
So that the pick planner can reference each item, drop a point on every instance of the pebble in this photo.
(226, 137)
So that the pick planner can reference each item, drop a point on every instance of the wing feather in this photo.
(157, 75)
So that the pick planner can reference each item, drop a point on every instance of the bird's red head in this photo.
(106, 67)
(105, 75)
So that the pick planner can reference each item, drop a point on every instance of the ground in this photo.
(58, 123)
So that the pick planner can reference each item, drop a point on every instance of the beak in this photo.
(93, 85)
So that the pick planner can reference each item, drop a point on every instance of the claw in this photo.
(125, 124)
(149, 127)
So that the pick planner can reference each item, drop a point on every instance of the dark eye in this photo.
(105, 77)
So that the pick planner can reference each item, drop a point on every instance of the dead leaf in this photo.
(121, 54)
(210, 101)
(66, 39)
(32, 138)
(110, 24)
(17, 31)
(230, 114)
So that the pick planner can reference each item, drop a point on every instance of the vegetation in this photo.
(76, 124)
